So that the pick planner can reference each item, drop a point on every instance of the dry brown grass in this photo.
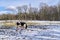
(9, 24)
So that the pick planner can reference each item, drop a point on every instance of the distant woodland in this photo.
(44, 12)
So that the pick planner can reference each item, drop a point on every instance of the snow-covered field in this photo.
(49, 32)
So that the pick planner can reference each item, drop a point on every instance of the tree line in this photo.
(44, 12)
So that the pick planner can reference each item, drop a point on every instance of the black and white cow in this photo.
(21, 25)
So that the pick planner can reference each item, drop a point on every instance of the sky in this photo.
(12, 4)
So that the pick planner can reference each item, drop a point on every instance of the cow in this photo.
(21, 25)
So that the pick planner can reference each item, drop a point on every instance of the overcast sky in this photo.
(14, 3)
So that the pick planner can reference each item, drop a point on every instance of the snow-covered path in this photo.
(31, 34)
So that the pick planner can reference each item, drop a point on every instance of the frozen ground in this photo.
(50, 32)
